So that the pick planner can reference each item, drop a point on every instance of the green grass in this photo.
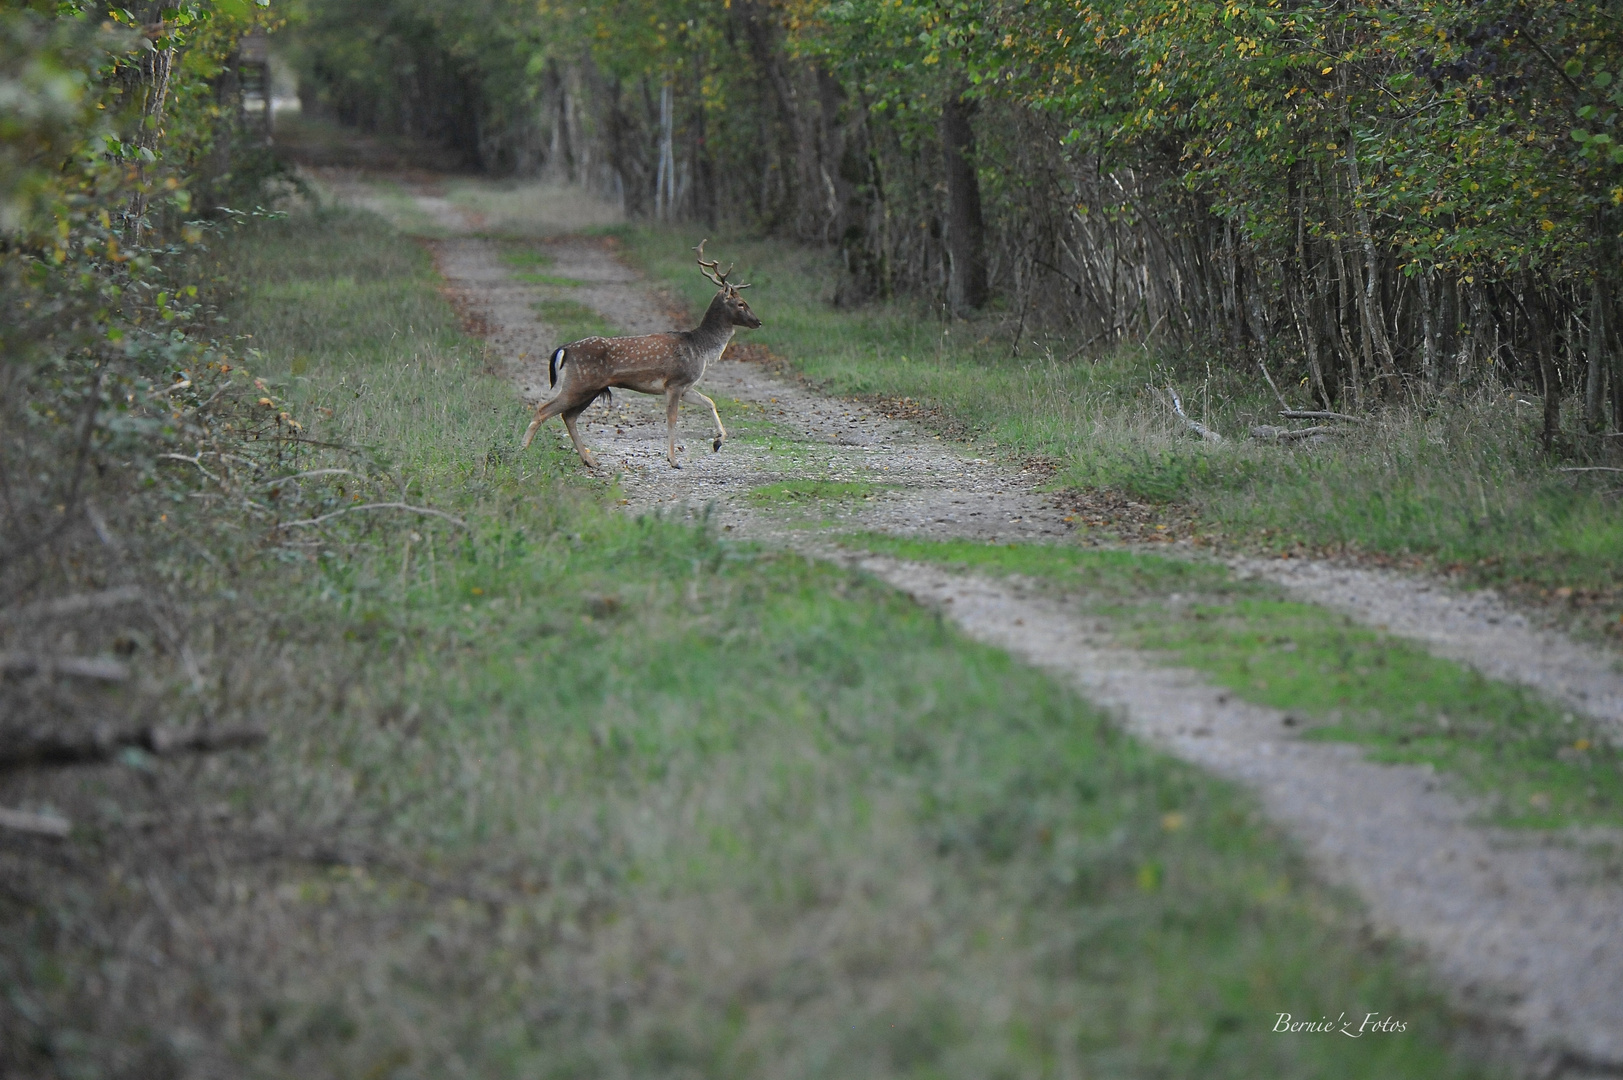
(1104, 575)
(1463, 485)
(1531, 762)
(548, 279)
(628, 800)
(527, 257)
(572, 320)
(804, 491)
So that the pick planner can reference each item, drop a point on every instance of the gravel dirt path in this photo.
(1524, 931)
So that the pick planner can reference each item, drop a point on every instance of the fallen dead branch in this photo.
(1193, 425)
(86, 746)
(374, 506)
(1305, 414)
(304, 475)
(24, 821)
(75, 667)
(1589, 468)
(75, 604)
(1271, 433)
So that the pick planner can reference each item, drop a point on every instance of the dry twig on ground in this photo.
(1193, 425)
(50, 745)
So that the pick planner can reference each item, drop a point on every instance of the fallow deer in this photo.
(667, 364)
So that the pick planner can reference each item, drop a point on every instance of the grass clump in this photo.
(1098, 573)
(555, 280)
(805, 491)
(1532, 762)
(525, 258)
(572, 320)
(1460, 482)
(560, 792)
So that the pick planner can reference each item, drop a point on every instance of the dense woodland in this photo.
(1389, 199)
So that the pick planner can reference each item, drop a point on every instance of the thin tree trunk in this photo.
(1595, 361)
(1428, 338)
(1548, 375)
(1345, 287)
(966, 229)
(1373, 312)
(155, 67)
(1231, 289)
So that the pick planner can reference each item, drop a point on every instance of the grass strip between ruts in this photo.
(1533, 762)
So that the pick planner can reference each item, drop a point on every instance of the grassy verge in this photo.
(1531, 762)
(1462, 485)
(558, 793)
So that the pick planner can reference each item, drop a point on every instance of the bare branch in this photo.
(50, 746)
(194, 461)
(75, 604)
(1589, 468)
(1270, 433)
(78, 667)
(1283, 404)
(24, 821)
(1193, 425)
(303, 475)
(1306, 414)
(374, 506)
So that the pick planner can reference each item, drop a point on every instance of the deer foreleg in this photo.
(673, 398)
(574, 436)
(721, 432)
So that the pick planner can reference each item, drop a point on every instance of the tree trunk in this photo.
(1548, 375)
(763, 35)
(1595, 361)
(1428, 345)
(966, 230)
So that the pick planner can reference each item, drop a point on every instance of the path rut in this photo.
(1521, 930)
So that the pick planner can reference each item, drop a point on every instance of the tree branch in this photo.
(49, 746)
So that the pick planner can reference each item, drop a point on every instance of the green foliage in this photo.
(1452, 123)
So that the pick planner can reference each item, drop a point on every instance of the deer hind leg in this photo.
(673, 398)
(543, 412)
(570, 416)
(721, 432)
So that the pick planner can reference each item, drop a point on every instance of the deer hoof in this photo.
(715, 447)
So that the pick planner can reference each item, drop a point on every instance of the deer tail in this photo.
(605, 395)
(558, 358)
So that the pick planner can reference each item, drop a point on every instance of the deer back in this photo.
(634, 362)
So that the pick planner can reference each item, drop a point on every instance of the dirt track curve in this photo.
(1522, 931)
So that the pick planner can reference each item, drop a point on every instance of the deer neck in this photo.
(712, 335)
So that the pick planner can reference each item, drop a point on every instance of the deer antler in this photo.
(713, 271)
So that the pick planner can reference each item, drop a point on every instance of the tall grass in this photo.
(1461, 481)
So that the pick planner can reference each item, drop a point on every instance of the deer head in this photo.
(737, 310)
